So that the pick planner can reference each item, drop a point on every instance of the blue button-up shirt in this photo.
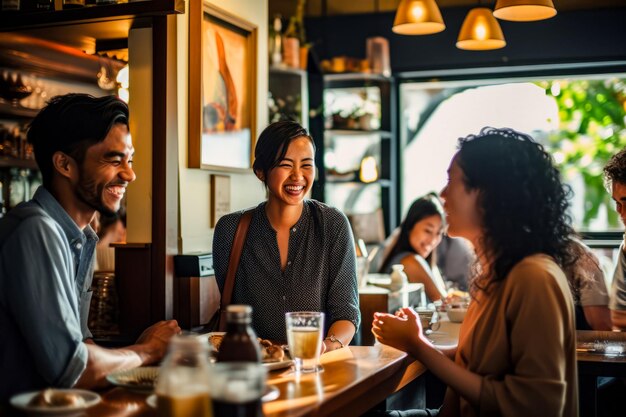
(46, 267)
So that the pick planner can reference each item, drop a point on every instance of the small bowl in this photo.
(456, 314)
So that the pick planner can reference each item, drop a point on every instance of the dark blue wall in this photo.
(573, 36)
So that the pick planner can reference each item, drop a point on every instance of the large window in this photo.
(581, 120)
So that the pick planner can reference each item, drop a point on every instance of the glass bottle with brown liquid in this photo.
(183, 386)
(240, 343)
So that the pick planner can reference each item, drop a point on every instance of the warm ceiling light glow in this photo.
(524, 10)
(480, 31)
(417, 11)
(418, 17)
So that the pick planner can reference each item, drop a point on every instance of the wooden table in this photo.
(592, 365)
(374, 299)
(354, 380)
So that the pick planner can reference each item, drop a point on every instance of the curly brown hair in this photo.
(522, 199)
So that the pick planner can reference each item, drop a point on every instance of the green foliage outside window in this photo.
(591, 129)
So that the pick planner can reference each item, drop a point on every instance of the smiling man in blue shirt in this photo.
(84, 151)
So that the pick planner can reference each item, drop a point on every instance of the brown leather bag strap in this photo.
(235, 255)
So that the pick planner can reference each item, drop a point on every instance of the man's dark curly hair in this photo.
(71, 123)
(615, 170)
(521, 198)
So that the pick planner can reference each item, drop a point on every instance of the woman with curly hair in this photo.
(516, 353)
(419, 234)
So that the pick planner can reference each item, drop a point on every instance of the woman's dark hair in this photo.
(273, 143)
(521, 198)
(426, 206)
(70, 124)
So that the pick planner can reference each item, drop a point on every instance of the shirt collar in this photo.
(51, 206)
(300, 223)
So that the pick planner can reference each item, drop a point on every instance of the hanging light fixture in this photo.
(480, 31)
(418, 17)
(524, 10)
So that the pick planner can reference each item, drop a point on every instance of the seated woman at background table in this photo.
(299, 253)
(591, 298)
(419, 235)
(516, 354)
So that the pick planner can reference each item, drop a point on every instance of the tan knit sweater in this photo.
(521, 338)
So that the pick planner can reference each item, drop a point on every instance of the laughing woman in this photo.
(299, 253)
(420, 233)
(516, 352)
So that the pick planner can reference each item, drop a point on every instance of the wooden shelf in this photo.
(149, 8)
(8, 111)
(380, 182)
(8, 162)
(356, 76)
(357, 132)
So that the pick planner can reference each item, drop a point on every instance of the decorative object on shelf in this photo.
(295, 48)
(222, 87)
(275, 44)
(524, 10)
(70, 4)
(369, 169)
(378, 55)
(36, 5)
(10, 5)
(287, 108)
(12, 87)
(480, 31)
(418, 17)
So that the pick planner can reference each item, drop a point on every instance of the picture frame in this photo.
(222, 89)
(220, 197)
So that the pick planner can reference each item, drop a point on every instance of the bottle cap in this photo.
(239, 313)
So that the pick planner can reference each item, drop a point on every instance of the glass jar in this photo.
(68, 4)
(240, 343)
(183, 386)
(17, 189)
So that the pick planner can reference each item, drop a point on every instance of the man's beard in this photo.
(91, 194)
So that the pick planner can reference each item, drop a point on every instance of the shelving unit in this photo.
(104, 13)
(357, 148)
(290, 86)
(143, 268)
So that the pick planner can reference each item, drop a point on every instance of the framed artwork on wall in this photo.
(220, 197)
(222, 89)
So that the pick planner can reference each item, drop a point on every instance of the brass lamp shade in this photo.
(418, 17)
(480, 31)
(524, 10)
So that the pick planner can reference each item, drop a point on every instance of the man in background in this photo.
(84, 152)
(615, 180)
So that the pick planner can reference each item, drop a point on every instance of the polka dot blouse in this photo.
(320, 274)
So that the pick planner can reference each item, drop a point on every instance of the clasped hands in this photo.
(402, 330)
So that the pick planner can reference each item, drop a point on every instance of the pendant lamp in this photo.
(524, 10)
(418, 17)
(480, 31)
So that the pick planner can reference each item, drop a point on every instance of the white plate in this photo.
(271, 393)
(140, 379)
(273, 366)
(380, 280)
(21, 402)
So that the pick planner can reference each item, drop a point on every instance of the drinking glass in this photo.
(237, 389)
(304, 335)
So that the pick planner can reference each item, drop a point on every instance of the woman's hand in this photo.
(402, 331)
